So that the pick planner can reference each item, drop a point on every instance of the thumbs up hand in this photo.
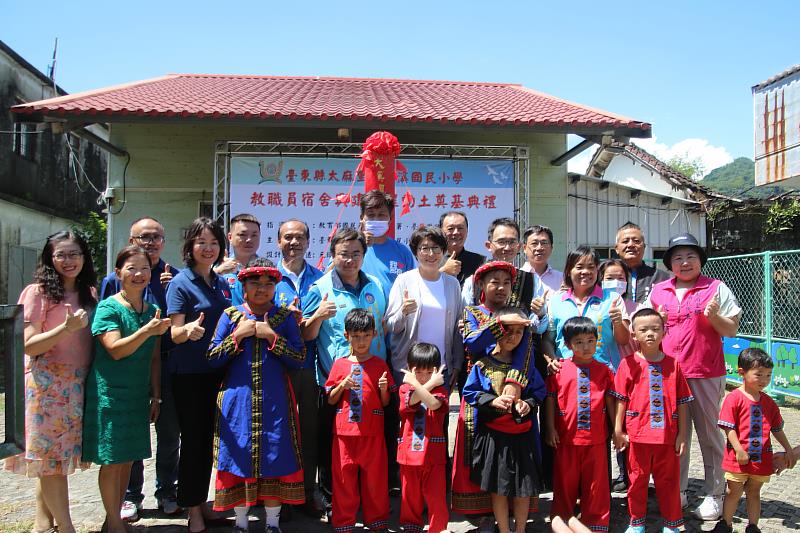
(348, 382)
(229, 264)
(246, 328)
(156, 325)
(295, 309)
(452, 266)
(326, 309)
(75, 321)
(538, 304)
(663, 312)
(615, 312)
(712, 307)
(166, 276)
(409, 304)
(383, 383)
(264, 329)
(195, 328)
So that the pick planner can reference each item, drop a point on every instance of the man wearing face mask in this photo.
(630, 248)
(386, 258)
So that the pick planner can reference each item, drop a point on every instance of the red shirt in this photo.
(753, 422)
(422, 440)
(359, 410)
(653, 392)
(580, 395)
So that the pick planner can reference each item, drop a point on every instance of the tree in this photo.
(692, 168)
(93, 229)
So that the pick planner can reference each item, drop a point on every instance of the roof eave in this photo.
(26, 113)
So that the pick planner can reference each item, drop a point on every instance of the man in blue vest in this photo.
(291, 291)
(344, 287)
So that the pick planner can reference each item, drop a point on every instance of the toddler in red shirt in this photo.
(359, 385)
(651, 415)
(577, 413)
(422, 447)
(747, 418)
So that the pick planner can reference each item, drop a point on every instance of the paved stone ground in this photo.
(780, 503)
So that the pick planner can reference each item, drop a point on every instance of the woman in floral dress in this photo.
(58, 348)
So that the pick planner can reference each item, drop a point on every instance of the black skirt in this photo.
(505, 463)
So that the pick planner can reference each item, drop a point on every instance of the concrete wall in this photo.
(172, 167)
(22, 235)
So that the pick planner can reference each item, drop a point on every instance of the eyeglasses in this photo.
(72, 256)
(435, 250)
(350, 257)
(506, 243)
(543, 244)
(149, 239)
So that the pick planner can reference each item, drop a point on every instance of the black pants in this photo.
(306, 393)
(326, 418)
(196, 404)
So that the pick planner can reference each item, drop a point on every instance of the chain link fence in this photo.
(767, 286)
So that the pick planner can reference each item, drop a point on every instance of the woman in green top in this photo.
(123, 387)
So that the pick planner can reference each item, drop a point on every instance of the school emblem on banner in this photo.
(270, 171)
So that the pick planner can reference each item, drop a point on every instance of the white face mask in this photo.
(615, 285)
(377, 228)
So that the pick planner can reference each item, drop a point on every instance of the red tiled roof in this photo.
(354, 99)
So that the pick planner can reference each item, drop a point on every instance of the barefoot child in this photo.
(651, 416)
(422, 447)
(581, 394)
(360, 386)
(504, 462)
(747, 418)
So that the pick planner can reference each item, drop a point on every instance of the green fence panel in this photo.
(767, 286)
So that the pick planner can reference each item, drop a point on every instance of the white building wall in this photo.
(629, 173)
(594, 216)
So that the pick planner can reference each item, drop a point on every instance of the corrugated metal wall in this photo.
(594, 216)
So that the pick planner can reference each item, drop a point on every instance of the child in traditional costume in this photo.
(422, 446)
(257, 445)
(505, 462)
(482, 331)
(360, 386)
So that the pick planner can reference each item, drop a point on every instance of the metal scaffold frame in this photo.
(224, 151)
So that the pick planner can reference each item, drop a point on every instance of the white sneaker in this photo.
(709, 509)
(130, 511)
(684, 500)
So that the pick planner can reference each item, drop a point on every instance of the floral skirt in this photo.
(53, 420)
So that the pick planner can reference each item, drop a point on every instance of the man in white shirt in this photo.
(538, 249)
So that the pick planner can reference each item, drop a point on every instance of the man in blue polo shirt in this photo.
(148, 233)
(292, 290)
(346, 286)
(244, 236)
(386, 258)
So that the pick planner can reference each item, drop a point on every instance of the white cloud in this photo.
(711, 156)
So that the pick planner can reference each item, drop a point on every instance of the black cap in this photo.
(683, 239)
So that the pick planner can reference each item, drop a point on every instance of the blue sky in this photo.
(685, 66)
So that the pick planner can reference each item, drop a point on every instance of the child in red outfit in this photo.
(422, 447)
(747, 418)
(577, 413)
(651, 414)
(359, 386)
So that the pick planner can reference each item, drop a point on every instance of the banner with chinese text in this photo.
(314, 190)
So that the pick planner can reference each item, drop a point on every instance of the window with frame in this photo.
(25, 136)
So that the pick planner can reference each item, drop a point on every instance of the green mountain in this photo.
(737, 179)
